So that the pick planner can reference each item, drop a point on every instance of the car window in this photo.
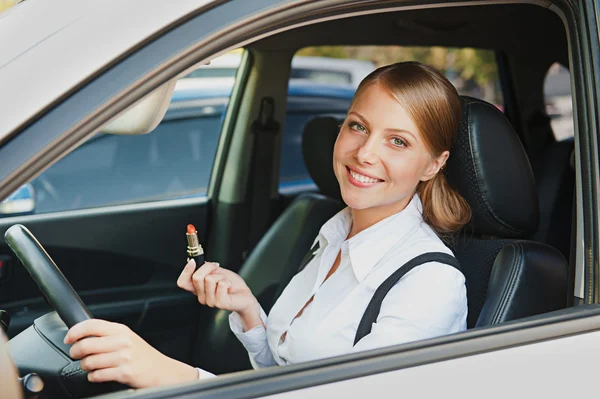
(474, 72)
(328, 76)
(322, 75)
(558, 101)
(173, 161)
(305, 101)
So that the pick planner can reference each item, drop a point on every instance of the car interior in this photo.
(518, 253)
(518, 180)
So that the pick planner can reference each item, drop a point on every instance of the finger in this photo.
(95, 345)
(210, 287)
(185, 278)
(222, 294)
(198, 279)
(92, 328)
(104, 360)
(108, 374)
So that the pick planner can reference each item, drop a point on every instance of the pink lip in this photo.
(360, 172)
(357, 183)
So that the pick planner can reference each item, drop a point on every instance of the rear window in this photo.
(321, 75)
(474, 72)
(559, 101)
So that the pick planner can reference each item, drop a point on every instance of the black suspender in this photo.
(374, 306)
(372, 311)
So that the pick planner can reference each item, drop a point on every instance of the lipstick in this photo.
(194, 249)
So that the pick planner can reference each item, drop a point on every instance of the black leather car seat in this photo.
(276, 257)
(508, 277)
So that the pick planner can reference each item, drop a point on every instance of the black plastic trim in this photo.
(586, 105)
(511, 107)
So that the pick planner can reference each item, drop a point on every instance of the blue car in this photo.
(175, 161)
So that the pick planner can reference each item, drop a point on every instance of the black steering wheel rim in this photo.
(57, 290)
(69, 380)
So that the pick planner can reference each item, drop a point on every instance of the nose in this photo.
(367, 152)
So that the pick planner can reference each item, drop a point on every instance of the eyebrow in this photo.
(364, 120)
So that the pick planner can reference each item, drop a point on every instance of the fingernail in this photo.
(65, 340)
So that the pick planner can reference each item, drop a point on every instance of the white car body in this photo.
(72, 45)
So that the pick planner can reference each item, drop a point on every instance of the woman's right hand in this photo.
(220, 288)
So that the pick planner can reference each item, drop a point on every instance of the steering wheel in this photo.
(40, 348)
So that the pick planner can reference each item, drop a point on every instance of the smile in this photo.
(359, 178)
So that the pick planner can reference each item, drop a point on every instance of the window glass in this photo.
(322, 76)
(558, 100)
(326, 77)
(173, 161)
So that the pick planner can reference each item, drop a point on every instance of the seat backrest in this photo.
(277, 256)
(508, 276)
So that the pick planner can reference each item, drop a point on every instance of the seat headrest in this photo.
(487, 165)
(490, 169)
(318, 140)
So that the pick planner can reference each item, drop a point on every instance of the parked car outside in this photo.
(315, 69)
(101, 171)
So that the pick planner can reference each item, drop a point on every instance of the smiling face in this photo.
(380, 155)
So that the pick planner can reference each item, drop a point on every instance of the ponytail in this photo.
(444, 209)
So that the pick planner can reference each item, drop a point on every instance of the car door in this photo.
(112, 214)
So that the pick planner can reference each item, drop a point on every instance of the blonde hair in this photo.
(434, 106)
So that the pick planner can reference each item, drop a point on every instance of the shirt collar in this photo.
(370, 245)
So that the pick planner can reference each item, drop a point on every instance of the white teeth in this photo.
(361, 178)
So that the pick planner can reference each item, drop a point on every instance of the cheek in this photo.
(406, 169)
(344, 144)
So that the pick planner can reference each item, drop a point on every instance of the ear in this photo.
(435, 166)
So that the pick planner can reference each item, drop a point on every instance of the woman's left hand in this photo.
(112, 352)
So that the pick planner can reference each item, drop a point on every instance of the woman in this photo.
(387, 159)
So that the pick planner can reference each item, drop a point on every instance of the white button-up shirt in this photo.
(429, 301)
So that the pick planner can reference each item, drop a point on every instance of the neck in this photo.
(364, 218)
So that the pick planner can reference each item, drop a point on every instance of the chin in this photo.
(357, 203)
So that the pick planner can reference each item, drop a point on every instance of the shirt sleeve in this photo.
(254, 340)
(429, 301)
(204, 375)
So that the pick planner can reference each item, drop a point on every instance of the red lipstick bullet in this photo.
(194, 249)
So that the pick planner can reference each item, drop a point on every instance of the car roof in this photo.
(71, 41)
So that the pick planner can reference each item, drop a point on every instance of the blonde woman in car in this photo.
(388, 160)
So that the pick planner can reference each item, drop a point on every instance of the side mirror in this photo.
(20, 202)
